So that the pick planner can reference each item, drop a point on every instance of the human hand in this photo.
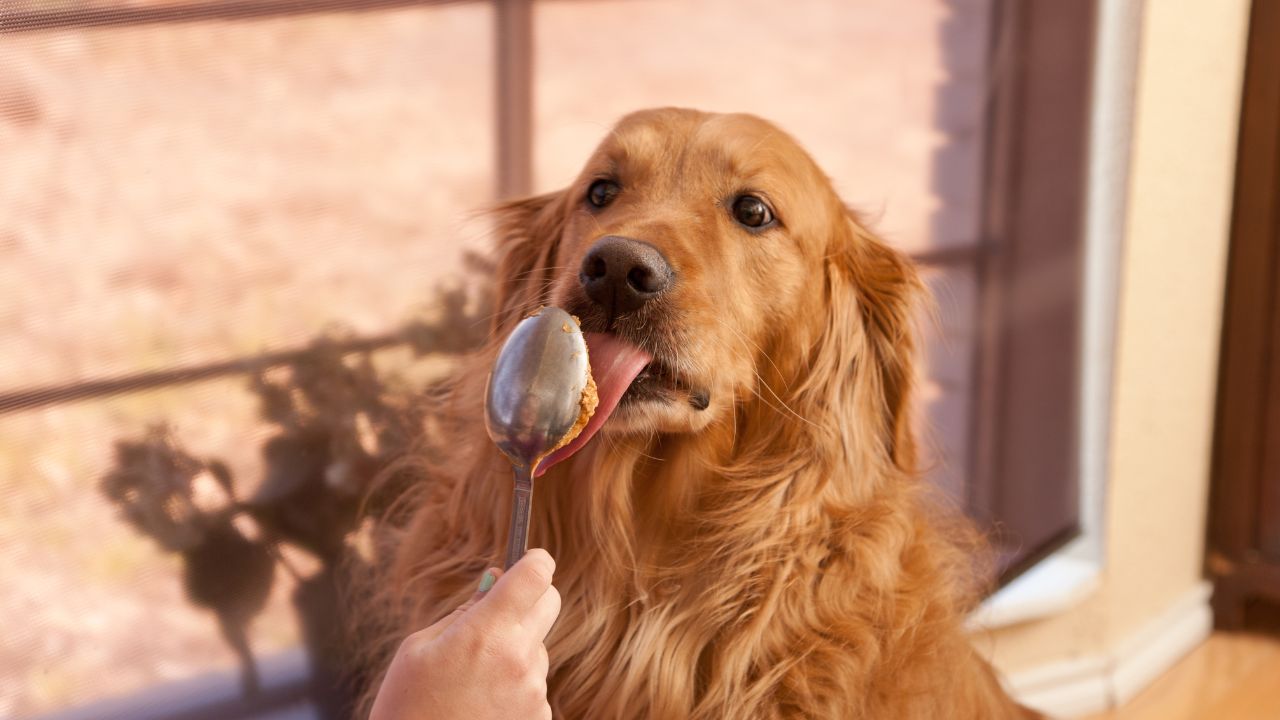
(486, 659)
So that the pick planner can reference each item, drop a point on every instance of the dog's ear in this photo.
(873, 293)
(528, 232)
(889, 294)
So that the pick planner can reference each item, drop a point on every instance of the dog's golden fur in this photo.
(774, 555)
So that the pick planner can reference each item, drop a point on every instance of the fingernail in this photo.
(486, 582)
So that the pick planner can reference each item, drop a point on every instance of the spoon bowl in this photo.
(532, 400)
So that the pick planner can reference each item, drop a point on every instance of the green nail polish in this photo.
(487, 581)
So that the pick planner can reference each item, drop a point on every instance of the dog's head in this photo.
(712, 264)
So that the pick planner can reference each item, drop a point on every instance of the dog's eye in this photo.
(751, 211)
(602, 192)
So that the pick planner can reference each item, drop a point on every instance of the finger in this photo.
(541, 661)
(427, 634)
(486, 584)
(543, 614)
(517, 590)
(487, 581)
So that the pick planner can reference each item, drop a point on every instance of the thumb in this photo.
(486, 583)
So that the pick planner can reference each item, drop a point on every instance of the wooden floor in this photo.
(1230, 677)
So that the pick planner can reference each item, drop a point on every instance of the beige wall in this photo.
(1170, 300)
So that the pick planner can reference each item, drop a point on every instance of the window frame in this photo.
(1071, 573)
(1027, 373)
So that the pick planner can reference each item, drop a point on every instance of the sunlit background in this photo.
(213, 214)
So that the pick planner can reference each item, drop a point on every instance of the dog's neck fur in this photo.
(681, 561)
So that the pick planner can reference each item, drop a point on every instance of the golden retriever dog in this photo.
(741, 532)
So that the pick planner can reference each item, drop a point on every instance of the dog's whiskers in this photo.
(760, 380)
(757, 346)
(521, 310)
(780, 401)
(527, 273)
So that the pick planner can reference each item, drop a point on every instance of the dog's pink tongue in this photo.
(614, 364)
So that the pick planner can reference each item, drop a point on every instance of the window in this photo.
(181, 192)
(192, 192)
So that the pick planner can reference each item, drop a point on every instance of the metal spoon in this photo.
(532, 401)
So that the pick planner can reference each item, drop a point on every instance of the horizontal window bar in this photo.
(19, 20)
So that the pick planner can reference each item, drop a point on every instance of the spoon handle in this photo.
(521, 504)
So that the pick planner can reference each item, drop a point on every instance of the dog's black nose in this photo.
(621, 274)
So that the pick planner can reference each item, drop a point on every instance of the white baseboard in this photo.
(1092, 684)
